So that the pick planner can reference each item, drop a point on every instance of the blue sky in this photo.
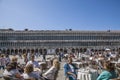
(60, 14)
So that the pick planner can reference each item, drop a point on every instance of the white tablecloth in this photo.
(90, 74)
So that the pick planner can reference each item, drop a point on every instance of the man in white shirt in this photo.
(32, 61)
(108, 53)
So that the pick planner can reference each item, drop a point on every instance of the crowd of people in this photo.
(108, 71)
(101, 60)
(31, 70)
(107, 61)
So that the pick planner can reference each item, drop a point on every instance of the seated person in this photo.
(12, 71)
(51, 74)
(20, 68)
(30, 73)
(69, 70)
(109, 71)
(32, 61)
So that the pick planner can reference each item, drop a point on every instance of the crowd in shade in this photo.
(94, 64)
(31, 70)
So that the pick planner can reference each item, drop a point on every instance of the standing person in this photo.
(2, 62)
(69, 70)
(25, 58)
(107, 54)
(36, 54)
(59, 56)
(7, 59)
(20, 55)
(28, 56)
(109, 71)
(44, 56)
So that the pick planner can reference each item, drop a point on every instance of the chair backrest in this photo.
(7, 78)
(56, 75)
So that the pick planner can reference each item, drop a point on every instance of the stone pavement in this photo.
(60, 74)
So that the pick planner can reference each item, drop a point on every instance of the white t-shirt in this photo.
(35, 64)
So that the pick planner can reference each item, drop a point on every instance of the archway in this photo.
(32, 51)
(81, 50)
(45, 51)
(20, 50)
(65, 50)
(73, 50)
(24, 51)
(8, 51)
(28, 50)
(40, 51)
(57, 50)
(12, 51)
(36, 51)
(16, 51)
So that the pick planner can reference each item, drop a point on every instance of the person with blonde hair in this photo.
(14, 59)
(51, 74)
(18, 66)
(25, 58)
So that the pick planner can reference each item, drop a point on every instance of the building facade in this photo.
(19, 40)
